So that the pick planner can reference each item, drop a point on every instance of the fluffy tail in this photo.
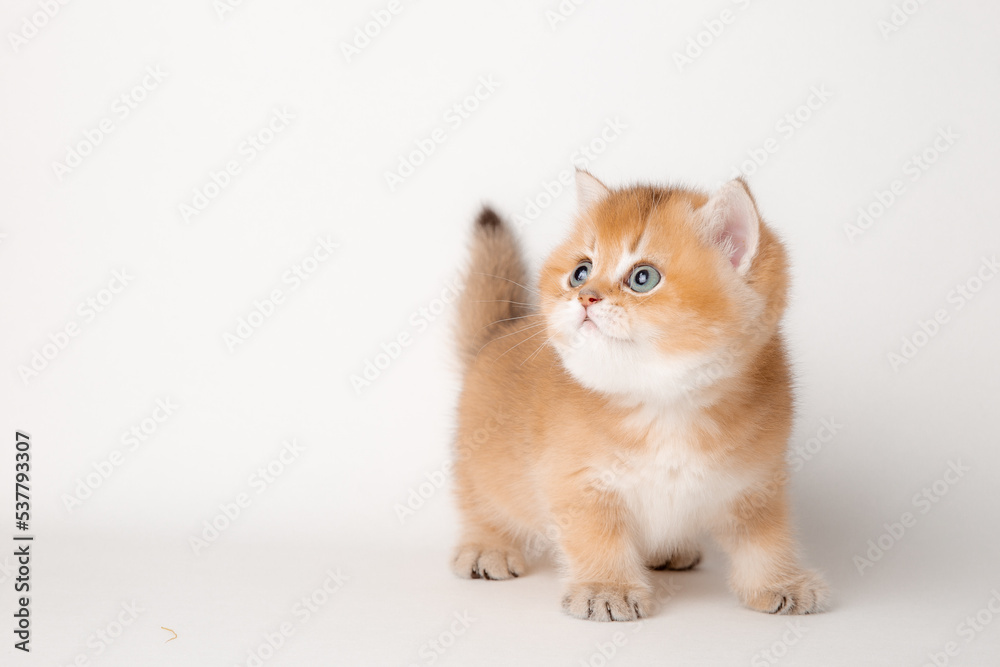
(494, 292)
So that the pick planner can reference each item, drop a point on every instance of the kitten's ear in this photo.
(731, 221)
(589, 190)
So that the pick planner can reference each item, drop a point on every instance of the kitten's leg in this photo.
(766, 574)
(607, 577)
(486, 553)
(682, 557)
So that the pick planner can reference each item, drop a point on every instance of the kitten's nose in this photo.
(588, 297)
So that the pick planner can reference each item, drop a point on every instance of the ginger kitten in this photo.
(638, 399)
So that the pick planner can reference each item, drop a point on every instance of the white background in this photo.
(334, 507)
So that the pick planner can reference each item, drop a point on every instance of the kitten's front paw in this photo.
(805, 594)
(473, 561)
(608, 602)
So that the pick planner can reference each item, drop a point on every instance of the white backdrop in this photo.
(200, 246)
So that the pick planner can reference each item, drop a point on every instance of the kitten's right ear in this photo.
(731, 221)
(589, 190)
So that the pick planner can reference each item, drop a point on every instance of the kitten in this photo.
(639, 398)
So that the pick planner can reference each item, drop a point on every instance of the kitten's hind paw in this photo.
(473, 561)
(678, 561)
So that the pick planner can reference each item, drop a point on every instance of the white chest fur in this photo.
(673, 490)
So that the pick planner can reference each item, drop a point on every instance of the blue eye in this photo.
(580, 274)
(643, 278)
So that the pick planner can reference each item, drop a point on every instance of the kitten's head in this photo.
(658, 291)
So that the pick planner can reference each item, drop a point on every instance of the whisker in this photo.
(519, 303)
(520, 317)
(532, 355)
(523, 329)
(490, 275)
(537, 333)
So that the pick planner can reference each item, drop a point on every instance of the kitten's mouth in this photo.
(589, 325)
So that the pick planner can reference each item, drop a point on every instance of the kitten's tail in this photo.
(495, 296)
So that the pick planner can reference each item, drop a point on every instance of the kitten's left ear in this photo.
(589, 190)
(731, 221)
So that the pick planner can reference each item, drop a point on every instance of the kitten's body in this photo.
(623, 439)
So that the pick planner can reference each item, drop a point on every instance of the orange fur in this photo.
(617, 442)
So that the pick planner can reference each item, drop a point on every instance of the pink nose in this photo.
(588, 297)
